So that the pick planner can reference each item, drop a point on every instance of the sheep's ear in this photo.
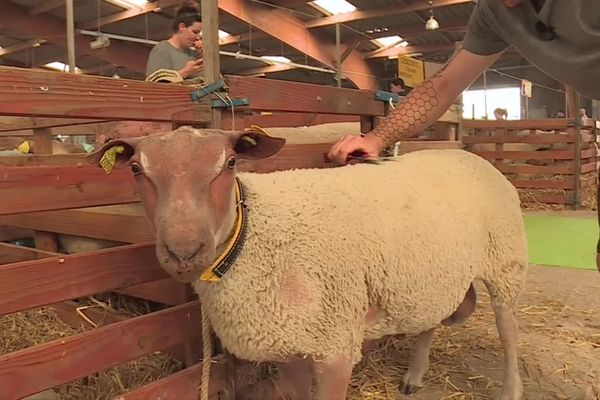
(254, 144)
(114, 154)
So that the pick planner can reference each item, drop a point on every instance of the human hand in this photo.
(367, 146)
(191, 67)
(198, 44)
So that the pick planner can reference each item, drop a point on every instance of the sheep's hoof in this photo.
(409, 389)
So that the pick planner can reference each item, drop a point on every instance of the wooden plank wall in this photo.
(546, 159)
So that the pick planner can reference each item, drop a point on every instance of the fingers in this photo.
(198, 64)
(342, 148)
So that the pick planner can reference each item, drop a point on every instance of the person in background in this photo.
(500, 113)
(182, 52)
(397, 86)
(583, 115)
(561, 38)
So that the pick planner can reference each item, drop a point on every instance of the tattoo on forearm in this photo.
(409, 114)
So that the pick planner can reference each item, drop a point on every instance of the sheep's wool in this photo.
(324, 245)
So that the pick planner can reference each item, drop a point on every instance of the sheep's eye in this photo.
(136, 168)
(231, 162)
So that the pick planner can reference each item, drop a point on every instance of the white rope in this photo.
(206, 355)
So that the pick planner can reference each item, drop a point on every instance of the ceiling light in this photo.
(129, 3)
(277, 59)
(432, 24)
(389, 41)
(334, 6)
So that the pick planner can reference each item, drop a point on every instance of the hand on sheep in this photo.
(366, 146)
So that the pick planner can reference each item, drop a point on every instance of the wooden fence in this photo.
(45, 195)
(547, 160)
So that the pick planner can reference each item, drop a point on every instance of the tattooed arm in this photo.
(423, 106)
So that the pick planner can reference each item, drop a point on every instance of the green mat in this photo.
(562, 241)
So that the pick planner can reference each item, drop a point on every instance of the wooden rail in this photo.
(271, 95)
(31, 284)
(99, 223)
(30, 93)
(182, 385)
(62, 360)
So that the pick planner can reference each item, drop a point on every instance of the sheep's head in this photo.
(186, 180)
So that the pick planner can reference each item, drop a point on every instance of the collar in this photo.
(226, 260)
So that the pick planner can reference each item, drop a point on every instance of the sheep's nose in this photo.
(184, 253)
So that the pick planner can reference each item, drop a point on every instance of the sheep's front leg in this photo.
(293, 383)
(296, 379)
(333, 378)
(419, 363)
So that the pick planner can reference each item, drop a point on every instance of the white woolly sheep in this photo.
(332, 257)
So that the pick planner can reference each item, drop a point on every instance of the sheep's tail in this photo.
(206, 355)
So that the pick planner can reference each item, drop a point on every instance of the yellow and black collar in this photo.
(222, 264)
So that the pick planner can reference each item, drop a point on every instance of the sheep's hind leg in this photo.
(332, 378)
(507, 325)
(506, 322)
(419, 363)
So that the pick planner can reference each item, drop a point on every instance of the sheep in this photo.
(332, 257)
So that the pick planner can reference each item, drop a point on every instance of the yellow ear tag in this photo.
(109, 158)
(259, 129)
(24, 147)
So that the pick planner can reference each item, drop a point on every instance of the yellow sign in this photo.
(411, 70)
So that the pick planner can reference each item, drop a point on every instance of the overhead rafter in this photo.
(242, 37)
(4, 51)
(52, 29)
(128, 14)
(291, 31)
(288, 3)
(380, 12)
(267, 69)
(419, 48)
(46, 6)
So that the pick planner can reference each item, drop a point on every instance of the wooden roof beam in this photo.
(4, 51)
(288, 3)
(419, 48)
(155, 6)
(52, 29)
(46, 6)
(291, 31)
(267, 69)
(380, 12)
(242, 37)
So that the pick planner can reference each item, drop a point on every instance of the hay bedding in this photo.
(29, 328)
(587, 194)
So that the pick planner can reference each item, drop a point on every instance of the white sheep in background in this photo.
(332, 257)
